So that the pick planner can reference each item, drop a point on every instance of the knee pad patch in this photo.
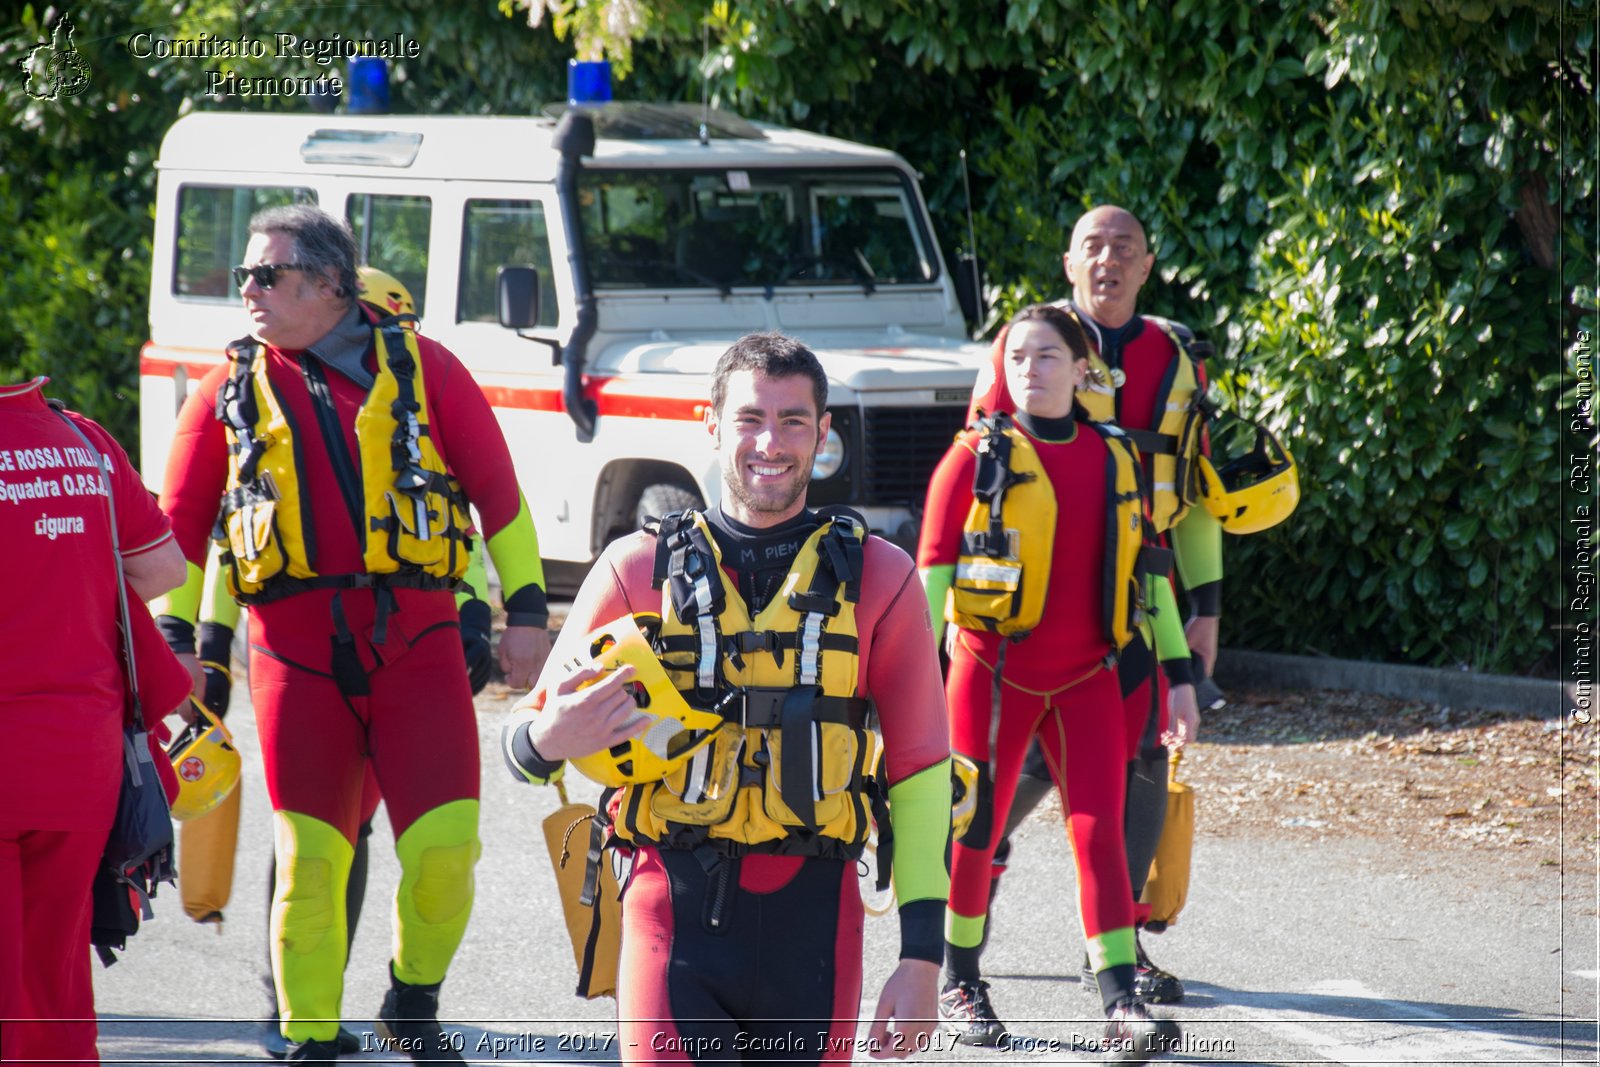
(437, 854)
(444, 882)
(313, 861)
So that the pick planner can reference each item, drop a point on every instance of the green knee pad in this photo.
(431, 907)
(308, 925)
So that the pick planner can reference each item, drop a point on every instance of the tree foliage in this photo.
(1383, 212)
(1368, 205)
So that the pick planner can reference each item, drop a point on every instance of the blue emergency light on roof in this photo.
(369, 85)
(588, 81)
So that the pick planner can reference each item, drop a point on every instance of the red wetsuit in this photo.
(1057, 685)
(417, 727)
(791, 951)
(61, 702)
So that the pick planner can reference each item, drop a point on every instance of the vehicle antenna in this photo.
(705, 84)
(972, 237)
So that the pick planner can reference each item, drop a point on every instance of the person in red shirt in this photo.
(1055, 681)
(62, 704)
(343, 456)
(742, 930)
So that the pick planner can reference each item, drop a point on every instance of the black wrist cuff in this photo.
(1206, 600)
(922, 931)
(216, 643)
(523, 759)
(179, 633)
(528, 607)
(475, 617)
(1178, 671)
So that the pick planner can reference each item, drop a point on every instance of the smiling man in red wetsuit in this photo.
(742, 919)
(1031, 579)
(343, 456)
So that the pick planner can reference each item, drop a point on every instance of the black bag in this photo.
(138, 852)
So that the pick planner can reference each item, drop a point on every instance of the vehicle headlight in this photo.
(830, 456)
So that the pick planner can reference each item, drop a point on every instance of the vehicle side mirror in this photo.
(969, 289)
(517, 297)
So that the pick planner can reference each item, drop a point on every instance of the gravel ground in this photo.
(1450, 780)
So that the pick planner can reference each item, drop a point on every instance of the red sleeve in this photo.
(902, 663)
(197, 469)
(618, 584)
(468, 436)
(141, 525)
(949, 500)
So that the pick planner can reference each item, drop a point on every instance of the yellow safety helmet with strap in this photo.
(963, 794)
(206, 762)
(386, 295)
(1253, 491)
(678, 730)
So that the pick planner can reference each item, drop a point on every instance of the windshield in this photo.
(677, 229)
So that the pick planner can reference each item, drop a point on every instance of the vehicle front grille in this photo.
(901, 447)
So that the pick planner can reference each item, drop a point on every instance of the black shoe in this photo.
(313, 1051)
(274, 1044)
(410, 1014)
(1133, 1035)
(1151, 983)
(965, 1007)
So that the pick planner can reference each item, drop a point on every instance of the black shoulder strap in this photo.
(990, 479)
(1198, 349)
(236, 404)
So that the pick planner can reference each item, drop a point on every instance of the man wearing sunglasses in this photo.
(343, 452)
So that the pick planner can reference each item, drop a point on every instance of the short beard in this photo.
(738, 491)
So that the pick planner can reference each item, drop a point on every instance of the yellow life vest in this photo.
(1174, 445)
(413, 529)
(1003, 572)
(790, 769)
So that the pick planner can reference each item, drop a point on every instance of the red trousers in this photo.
(1083, 733)
(45, 907)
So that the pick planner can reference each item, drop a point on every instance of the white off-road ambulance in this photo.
(655, 234)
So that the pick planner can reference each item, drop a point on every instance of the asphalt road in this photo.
(1294, 951)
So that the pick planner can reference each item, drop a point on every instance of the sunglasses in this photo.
(265, 274)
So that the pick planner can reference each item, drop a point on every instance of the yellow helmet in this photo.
(385, 294)
(678, 732)
(963, 794)
(206, 762)
(1255, 491)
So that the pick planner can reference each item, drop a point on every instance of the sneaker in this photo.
(312, 1051)
(965, 1006)
(1209, 696)
(1133, 1035)
(1151, 983)
(274, 1044)
(1086, 979)
(410, 1017)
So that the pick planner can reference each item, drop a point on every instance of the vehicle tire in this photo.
(664, 499)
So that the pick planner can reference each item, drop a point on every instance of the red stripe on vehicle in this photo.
(608, 394)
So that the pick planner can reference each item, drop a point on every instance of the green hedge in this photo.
(1366, 205)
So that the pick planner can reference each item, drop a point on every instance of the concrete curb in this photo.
(1539, 697)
